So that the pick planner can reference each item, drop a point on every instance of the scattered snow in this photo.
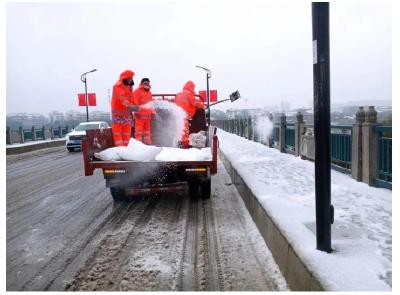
(264, 127)
(176, 119)
(361, 233)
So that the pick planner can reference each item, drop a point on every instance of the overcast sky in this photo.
(262, 48)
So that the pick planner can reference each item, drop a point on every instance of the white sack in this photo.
(110, 154)
(169, 154)
(198, 140)
(138, 151)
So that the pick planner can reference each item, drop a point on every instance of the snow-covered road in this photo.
(65, 233)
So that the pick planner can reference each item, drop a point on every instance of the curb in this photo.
(33, 147)
(295, 271)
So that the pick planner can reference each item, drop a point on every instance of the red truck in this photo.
(127, 178)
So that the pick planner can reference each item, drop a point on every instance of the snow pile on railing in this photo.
(137, 151)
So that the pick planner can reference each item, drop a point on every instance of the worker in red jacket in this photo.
(142, 98)
(187, 100)
(121, 99)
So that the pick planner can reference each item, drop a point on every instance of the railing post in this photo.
(21, 134)
(8, 135)
(271, 136)
(59, 131)
(356, 145)
(44, 132)
(298, 131)
(250, 128)
(33, 132)
(282, 132)
(369, 147)
(51, 132)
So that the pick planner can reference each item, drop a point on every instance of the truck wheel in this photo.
(117, 194)
(205, 189)
(70, 149)
(194, 189)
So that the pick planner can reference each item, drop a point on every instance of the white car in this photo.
(73, 139)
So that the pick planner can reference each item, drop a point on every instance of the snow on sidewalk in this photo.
(361, 233)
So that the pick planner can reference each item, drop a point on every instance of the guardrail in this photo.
(341, 138)
(384, 175)
(21, 135)
(289, 138)
(368, 159)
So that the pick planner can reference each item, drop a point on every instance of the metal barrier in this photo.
(289, 138)
(275, 135)
(32, 134)
(39, 134)
(341, 144)
(384, 173)
(341, 137)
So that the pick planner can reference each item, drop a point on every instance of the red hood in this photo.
(141, 86)
(125, 75)
(189, 86)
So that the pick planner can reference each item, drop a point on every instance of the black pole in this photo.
(208, 100)
(322, 122)
(86, 100)
(83, 79)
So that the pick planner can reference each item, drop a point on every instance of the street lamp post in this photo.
(83, 79)
(208, 72)
(322, 125)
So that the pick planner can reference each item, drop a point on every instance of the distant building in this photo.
(26, 120)
(100, 116)
(56, 117)
(285, 106)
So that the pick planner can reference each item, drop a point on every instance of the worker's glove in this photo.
(133, 109)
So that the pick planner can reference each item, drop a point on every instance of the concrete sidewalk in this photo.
(33, 146)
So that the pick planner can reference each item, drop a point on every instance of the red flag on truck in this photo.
(91, 99)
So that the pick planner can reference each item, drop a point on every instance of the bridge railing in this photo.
(367, 158)
(341, 138)
(384, 174)
(22, 135)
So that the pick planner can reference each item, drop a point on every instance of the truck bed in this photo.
(99, 140)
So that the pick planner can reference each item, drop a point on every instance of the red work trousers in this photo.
(143, 130)
(121, 133)
(185, 133)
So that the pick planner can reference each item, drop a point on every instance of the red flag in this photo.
(203, 95)
(81, 99)
(213, 96)
(92, 99)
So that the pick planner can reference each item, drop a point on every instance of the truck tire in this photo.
(70, 149)
(118, 194)
(205, 189)
(194, 189)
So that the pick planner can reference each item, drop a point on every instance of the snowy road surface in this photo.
(65, 233)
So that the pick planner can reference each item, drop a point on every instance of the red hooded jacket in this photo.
(141, 97)
(122, 96)
(187, 100)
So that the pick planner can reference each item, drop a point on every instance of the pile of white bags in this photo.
(138, 151)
